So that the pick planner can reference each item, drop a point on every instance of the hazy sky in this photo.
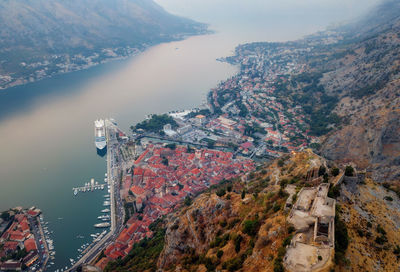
(296, 16)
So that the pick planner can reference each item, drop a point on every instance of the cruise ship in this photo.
(100, 134)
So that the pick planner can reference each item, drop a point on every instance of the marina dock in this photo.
(90, 186)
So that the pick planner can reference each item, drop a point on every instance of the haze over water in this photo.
(46, 127)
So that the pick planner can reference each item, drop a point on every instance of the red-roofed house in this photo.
(33, 213)
(24, 226)
(123, 237)
(114, 255)
(102, 263)
(30, 244)
(138, 191)
(132, 229)
(16, 236)
(10, 246)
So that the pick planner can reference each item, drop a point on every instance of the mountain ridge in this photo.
(41, 38)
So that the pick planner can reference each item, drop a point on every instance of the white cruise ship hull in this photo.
(100, 134)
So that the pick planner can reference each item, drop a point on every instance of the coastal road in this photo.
(39, 236)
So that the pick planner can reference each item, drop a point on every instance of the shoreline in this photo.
(21, 82)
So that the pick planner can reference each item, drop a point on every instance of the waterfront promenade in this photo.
(43, 237)
(113, 170)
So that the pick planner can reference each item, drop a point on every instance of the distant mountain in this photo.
(42, 37)
(383, 17)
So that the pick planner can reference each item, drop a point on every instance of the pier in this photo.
(89, 187)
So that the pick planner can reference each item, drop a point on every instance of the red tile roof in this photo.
(141, 156)
(10, 245)
(24, 226)
(102, 263)
(30, 245)
(137, 191)
(124, 236)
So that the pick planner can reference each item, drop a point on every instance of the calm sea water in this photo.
(46, 127)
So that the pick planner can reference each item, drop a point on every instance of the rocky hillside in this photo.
(42, 37)
(238, 225)
(372, 216)
(366, 79)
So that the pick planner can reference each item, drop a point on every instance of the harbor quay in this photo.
(109, 130)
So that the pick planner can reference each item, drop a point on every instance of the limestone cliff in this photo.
(366, 79)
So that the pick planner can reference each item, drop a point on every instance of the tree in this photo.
(243, 194)
(5, 216)
(326, 178)
(187, 201)
(349, 171)
(321, 170)
(189, 149)
(335, 171)
(171, 146)
(156, 123)
(238, 240)
(221, 192)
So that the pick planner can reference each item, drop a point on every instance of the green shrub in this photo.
(341, 239)
(334, 191)
(380, 240)
(250, 227)
(277, 207)
(291, 229)
(238, 241)
(220, 253)
(287, 241)
(223, 223)
(187, 201)
(220, 241)
(243, 194)
(221, 192)
(233, 264)
(380, 230)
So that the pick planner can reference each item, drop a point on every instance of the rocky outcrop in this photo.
(195, 228)
(372, 216)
